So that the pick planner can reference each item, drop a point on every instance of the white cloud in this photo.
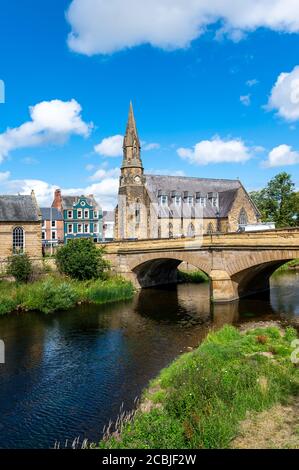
(282, 155)
(216, 151)
(103, 27)
(151, 146)
(4, 176)
(102, 173)
(51, 122)
(252, 82)
(113, 146)
(110, 146)
(245, 100)
(285, 95)
(105, 191)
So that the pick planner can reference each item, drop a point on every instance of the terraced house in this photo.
(82, 216)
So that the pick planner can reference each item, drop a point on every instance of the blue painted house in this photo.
(82, 216)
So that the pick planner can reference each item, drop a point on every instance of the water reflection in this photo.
(67, 374)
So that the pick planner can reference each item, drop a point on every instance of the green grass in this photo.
(291, 264)
(196, 277)
(199, 400)
(61, 293)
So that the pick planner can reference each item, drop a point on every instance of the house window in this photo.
(69, 214)
(86, 228)
(191, 231)
(95, 214)
(210, 228)
(190, 200)
(70, 228)
(79, 214)
(53, 223)
(243, 218)
(95, 228)
(86, 214)
(163, 200)
(43, 235)
(80, 228)
(18, 238)
(53, 235)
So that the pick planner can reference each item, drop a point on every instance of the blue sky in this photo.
(209, 96)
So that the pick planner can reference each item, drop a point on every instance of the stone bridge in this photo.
(238, 264)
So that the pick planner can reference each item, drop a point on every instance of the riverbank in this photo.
(56, 292)
(193, 277)
(201, 399)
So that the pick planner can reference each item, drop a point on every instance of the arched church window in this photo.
(191, 231)
(18, 240)
(210, 228)
(243, 218)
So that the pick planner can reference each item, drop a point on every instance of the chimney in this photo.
(57, 203)
(33, 197)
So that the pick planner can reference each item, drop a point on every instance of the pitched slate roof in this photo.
(18, 209)
(183, 186)
(69, 201)
(108, 216)
(51, 213)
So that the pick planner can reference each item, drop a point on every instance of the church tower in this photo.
(131, 213)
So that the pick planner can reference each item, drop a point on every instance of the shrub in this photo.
(81, 259)
(47, 297)
(7, 305)
(20, 267)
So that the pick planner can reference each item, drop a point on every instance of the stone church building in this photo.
(151, 206)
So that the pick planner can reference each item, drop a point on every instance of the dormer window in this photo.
(190, 200)
(201, 199)
(177, 200)
(214, 199)
(164, 200)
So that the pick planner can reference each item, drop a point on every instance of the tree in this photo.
(81, 259)
(20, 267)
(277, 202)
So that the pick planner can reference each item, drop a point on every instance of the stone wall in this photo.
(33, 239)
(241, 201)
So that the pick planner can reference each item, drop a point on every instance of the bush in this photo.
(7, 305)
(20, 267)
(81, 259)
(47, 297)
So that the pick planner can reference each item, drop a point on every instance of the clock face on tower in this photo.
(137, 179)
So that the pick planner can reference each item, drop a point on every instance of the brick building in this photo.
(20, 226)
(151, 206)
(52, 226)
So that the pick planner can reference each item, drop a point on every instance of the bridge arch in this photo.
(252, 274)
(160, 269)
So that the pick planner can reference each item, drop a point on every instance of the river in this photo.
(67, 374)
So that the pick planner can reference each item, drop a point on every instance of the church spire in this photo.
(132, 148)
(131, 135)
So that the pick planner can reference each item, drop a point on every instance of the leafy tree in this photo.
(81, 259)
(20, 267)
(277, 202)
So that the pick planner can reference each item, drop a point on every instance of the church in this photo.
(152, 206)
